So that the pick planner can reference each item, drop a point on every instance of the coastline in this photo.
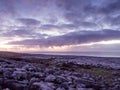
(58, 72)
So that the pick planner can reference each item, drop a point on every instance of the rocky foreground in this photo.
(16, 74)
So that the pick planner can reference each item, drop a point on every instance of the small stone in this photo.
(84, 89)
(42, 86)
(19, 75)
(71, 89)
(60, 79)
(60, 89)
(33, 80)
(50, 78)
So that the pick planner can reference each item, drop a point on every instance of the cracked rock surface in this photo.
(56, 75)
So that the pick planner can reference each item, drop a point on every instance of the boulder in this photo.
(42, 86)
(19, 75)
(50, 78)
(60, 79)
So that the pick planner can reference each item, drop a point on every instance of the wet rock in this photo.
(49, 71)
(19, 86)
(15, 85)
(42, 86)
(1, 81)
(50, 78)
(117, 87)
(64, 85)
(9, 66)
(19, 75)
(7, 73)
(33, 80)
(30, 67)
(71, 88)
(85, 89)
(1, 70)
(60, 88)
(80, 85)
(60, 79)
(28, 76)
(116, 73)
(8, 83)
(38, 75)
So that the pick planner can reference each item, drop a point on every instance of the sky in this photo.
(59, 25)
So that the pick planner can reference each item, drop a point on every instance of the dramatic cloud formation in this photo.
(59, 23)
(73, 38)
(28, 21)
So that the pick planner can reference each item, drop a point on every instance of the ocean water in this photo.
(98, 54)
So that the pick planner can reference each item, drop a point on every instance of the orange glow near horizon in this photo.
(21, 48)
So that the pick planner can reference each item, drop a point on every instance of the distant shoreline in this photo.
(93, 54)
(113, 62)
(85, 54)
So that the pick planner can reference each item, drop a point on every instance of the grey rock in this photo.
(38, 75)
(30, 67)
(42, 86)
(19, 75)
(7, 73)
(50, 78)
(60, 88)
(32, 80)
(60, 79)
(19, 86)
(84, 89)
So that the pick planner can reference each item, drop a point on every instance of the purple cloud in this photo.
(28, 21)
(72, 38)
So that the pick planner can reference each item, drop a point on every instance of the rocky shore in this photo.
(56, 75)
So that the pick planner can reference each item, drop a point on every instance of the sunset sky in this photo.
(59, 25)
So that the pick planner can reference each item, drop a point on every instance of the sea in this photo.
(96, 54)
